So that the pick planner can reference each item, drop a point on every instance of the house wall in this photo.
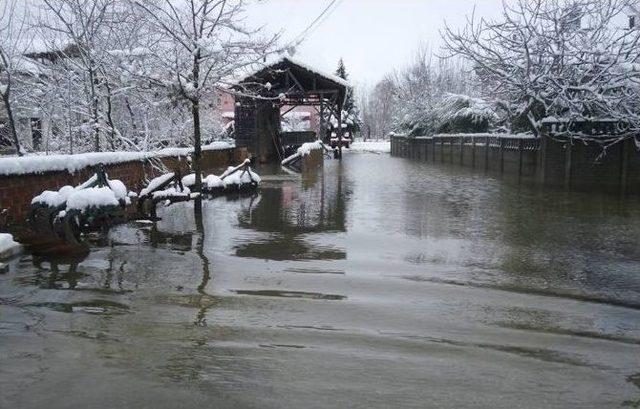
(227, 105)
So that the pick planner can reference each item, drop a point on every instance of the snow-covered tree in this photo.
(200, 44)
(82, 30)
(12, 42)
(430, 95)
(557, 60)
(351, 113)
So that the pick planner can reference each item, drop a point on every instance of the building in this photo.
(634, 17)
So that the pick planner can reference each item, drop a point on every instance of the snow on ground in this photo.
(23, 165)
(8, 247)
(370, 146)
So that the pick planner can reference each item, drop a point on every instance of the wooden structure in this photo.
(548, 160)
(261, 96)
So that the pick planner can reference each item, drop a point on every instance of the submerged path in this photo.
(380, 283)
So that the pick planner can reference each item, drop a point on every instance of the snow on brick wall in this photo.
(16, 191)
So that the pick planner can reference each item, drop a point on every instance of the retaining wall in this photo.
(16, 191)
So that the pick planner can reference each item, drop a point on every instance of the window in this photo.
(632, 21)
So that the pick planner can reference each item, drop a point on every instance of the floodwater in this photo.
(380, 283)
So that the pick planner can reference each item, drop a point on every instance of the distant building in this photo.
(302, 118)
(634, 17)
(29, 122)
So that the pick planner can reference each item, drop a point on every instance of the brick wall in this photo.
(17, 191)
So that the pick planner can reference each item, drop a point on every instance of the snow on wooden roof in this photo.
(300, 64)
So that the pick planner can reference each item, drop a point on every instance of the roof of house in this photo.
(272, 77)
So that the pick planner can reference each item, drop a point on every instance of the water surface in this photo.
(379, 283)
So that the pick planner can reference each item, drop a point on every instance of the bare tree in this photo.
(12, 43)
(557, 60)
(201, 43)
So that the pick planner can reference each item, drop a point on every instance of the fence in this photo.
(572, 164)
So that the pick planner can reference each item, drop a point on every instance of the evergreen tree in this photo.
(349, 107)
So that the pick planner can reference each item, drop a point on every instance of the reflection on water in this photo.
(378, 282)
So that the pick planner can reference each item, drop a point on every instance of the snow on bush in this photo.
(82, 197)
(8, 246)
(53, 198)
(91, 197)
(213, 182)
(241, 177)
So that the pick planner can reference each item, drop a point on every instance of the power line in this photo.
(316, 22)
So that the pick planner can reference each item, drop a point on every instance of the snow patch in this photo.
(8, 246)
(91, 197)
(303, 150)
(72, 163)
(370, 146)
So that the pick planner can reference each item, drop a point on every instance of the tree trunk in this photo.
(197, 148)
(112, 129)
(195, 111)
(12, 124)
(94, 112)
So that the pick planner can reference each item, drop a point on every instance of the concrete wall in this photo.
(16, 191)
(574, 165)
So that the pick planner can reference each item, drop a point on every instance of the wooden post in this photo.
(486, 153)
(501, 155)
(321, 124)
(461, 150)
(624, 166)
(567, 165)
(339, 133)
(451, 150)
(433, 149)
(473, 152)
(542, 160)
(520, 153)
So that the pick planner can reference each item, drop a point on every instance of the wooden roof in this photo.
(299, 83)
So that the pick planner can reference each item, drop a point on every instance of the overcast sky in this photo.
(373, 36)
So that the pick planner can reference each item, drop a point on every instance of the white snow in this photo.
(23, 165)
(8, 247)
(91, 197)
(189, 180)
(171, 192)
(119, 189)
(154, 183)
(303, 150)
(236, 175)
(490, 135)
(231, 169)
(53, 198)
(213, 182)
(302, 65)
(241, 177)
(210, 182)
(370, 146)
